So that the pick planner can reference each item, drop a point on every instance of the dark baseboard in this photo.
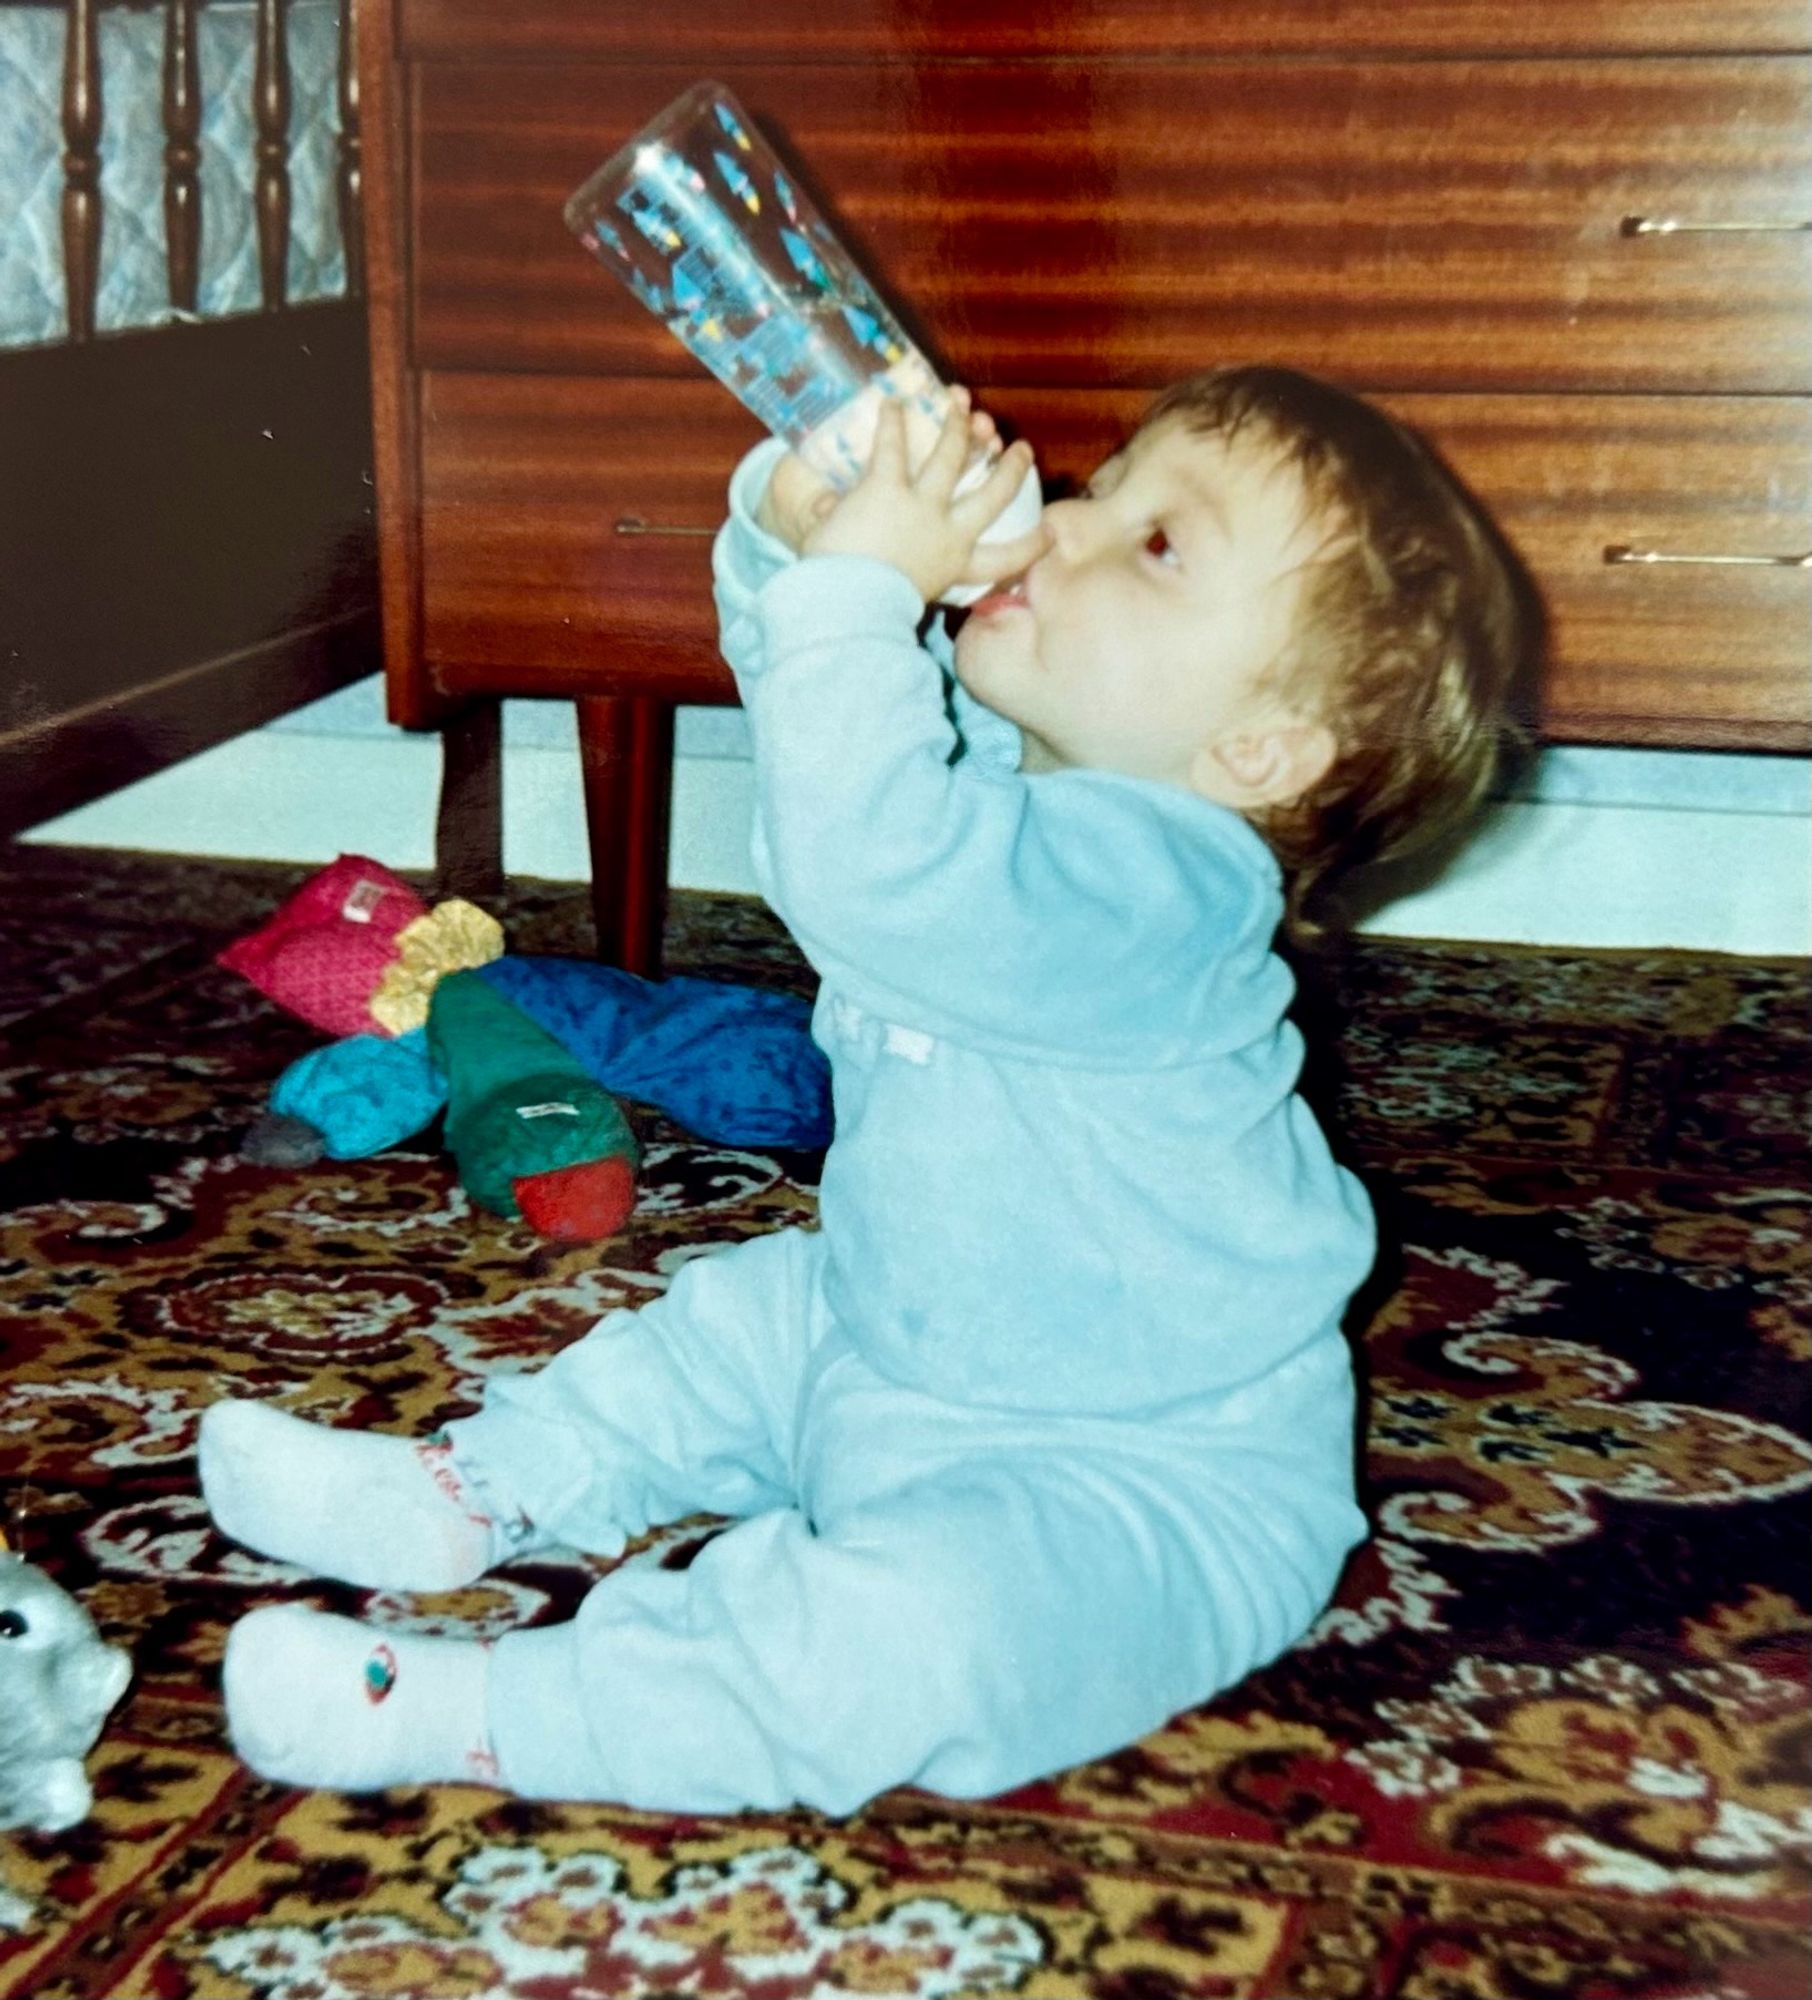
(74, 760)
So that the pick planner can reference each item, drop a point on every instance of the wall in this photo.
(1597, 847)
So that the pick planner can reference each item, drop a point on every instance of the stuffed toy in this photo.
(531, 1133)
(527, 1056)
(735, 1065)
(325, 951)
(356, 951)
(58, 1682)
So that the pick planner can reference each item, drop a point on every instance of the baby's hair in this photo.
(1413, 633)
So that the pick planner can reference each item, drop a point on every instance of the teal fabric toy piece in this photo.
(363, 1094)
(519, 1106)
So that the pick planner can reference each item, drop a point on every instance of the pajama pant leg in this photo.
(967, 1600)
(686, 1405)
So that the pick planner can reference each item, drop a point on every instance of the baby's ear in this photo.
(1271, 765)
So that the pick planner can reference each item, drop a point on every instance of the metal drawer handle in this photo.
(633, 524)
(1621, 552)
(1676, 225)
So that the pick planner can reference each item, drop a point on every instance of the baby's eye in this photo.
(1158, 545)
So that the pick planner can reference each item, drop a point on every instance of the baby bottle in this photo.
(701, 222)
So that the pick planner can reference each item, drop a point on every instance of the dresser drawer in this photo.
(720, 31)
(524, 574)
(1711, 654)
(527, 579)
(1432, 225)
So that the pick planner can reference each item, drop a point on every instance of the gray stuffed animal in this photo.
(58, 1680)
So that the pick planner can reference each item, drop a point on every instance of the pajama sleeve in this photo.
(1077, 914)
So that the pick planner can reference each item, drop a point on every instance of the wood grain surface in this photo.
(529, 585)
(719, 31)
(1408, 225)
(389, 280)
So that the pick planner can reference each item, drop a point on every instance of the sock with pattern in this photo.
(381, 1512)
(313, 1699)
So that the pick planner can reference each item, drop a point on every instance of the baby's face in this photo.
(1143, 634)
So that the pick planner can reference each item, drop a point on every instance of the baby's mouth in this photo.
(1009, 596)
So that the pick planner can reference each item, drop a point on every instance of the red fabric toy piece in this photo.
(579, 1204)
(322, 953)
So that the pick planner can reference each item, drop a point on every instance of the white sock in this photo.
(313, 1699)
(381, 1512)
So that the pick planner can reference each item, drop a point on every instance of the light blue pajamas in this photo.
(1047, 1432)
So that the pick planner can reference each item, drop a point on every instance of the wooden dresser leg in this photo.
(468, 830)
(626, 754)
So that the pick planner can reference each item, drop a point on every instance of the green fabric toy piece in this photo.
(518, 1104)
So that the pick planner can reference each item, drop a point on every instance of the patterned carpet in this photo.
(1550, 1741)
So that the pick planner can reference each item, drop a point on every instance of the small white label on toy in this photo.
(547, 1111)
(361, 903)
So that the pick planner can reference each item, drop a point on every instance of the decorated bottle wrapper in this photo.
(702, 223)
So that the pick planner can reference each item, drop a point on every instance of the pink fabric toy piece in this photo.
(323, 953)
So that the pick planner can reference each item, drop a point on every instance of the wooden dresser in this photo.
(1566, 239)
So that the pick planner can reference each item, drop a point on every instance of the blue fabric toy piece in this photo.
(733, 1064)
(365, 1093)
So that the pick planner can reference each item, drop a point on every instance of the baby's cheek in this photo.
(969, 656)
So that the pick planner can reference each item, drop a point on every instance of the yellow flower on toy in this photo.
(454, 936)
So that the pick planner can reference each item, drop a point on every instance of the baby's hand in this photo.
(797, 498)
(916, 521)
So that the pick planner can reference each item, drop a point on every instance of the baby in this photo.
(1047, 1431)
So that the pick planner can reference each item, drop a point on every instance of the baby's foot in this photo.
(382, 1512)
(317, 1700)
